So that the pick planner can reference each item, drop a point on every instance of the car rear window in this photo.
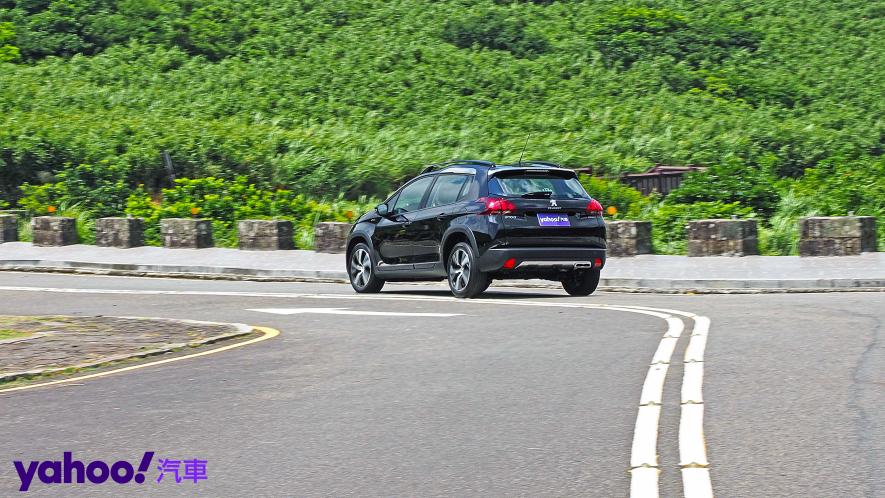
(536, 185)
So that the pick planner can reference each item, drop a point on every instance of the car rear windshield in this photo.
(536, 185)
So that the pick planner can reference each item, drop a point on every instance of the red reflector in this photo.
(510, 264)
(597, 262)
(594, 208)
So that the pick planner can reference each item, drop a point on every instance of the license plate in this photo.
(553, 220)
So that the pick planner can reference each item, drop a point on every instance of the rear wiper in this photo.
(544, 194)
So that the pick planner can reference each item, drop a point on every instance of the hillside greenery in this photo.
(782, 100)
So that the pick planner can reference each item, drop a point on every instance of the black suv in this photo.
(474, 221)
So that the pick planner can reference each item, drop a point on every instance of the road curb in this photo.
(241, 330)
(616, 284)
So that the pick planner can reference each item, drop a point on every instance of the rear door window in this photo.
(536, 185)
(446, 190)
(411, 196)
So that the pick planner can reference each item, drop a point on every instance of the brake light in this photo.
(597, 262)
(594, 208)
(495, 205)
(510, 264)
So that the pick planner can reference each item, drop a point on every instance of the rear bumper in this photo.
(529, 258)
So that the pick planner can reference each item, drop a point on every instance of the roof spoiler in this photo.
(453, 162)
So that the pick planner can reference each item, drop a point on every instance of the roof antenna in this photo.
(523, 148)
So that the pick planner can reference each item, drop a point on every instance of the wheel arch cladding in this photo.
(356, 240)
(451, 239)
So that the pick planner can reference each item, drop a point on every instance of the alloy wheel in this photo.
(459, 269)
(360, 268)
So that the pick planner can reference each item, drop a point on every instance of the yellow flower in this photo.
(611, 210)
(51, 209)
(195, 211)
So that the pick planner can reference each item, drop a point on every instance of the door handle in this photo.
(441, 217)
(407, 223)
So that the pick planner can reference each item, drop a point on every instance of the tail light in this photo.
(509, 264)
(594, 208)
(496, 205)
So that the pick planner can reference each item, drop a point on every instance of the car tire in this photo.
(361, 270)
(465, 278)
(581, 283)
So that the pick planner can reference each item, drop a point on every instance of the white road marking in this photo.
(692, 452)
(695, 471)
(653, 388)
(644, 452)
(344, 311)
(644, 482)
(692, 381)
(644, 475)
(696, 483)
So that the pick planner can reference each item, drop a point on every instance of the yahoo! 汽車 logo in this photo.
(553, 220)
(67, 471)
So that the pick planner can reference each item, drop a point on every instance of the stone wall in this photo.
(837, 235)
(722, 238)
(8, 228)
(54, 231)
(265, 235)
(186, 233)
(119, 232)
(331, 237)
(628, 238)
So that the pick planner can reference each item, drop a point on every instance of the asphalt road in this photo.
(515, 395)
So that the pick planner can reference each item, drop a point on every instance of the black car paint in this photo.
(414, 245)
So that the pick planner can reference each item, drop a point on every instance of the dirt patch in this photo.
(37, 345)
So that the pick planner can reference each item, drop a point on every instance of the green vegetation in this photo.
(782, 100)
(225, 202)
(13, 334)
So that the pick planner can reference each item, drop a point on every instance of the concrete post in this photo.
(265, 235)
(330, 237)
(54, 231)
(628, 238)
(119, 232)
(722, 238)
(837, 235)
(8, 228)
(186, 233)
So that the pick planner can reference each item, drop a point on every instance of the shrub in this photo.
(669, 221)
(494, 30)
(101, 189)
(729, 183)
(628, 34)
(36, 199)
(225, 202)
(629, 202)
(8, 52)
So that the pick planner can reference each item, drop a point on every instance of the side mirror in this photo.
(382, 209)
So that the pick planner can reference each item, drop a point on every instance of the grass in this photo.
(13, 334)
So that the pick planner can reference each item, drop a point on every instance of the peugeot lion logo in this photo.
(553, 203)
